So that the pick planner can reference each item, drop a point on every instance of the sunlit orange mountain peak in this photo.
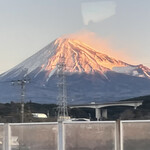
(78, 58)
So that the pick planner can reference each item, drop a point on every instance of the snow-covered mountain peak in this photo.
(79, 57)
(83, 50)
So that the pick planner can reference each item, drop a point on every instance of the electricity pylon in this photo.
(62, 95)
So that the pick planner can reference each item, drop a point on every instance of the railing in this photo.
(93, 135)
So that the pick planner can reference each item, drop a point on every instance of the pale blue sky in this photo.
(26, 26)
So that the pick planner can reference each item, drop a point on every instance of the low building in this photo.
(39, 115)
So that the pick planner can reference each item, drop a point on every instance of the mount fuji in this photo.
(91, 75)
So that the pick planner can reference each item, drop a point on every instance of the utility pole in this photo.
(62, 95)
(22, 83)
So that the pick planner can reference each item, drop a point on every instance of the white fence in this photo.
(135, 135)
(89, 136)
(93, 135)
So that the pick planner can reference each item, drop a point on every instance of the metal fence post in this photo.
(121, 135)
(6, 138)
(61, 136)
(118, 135)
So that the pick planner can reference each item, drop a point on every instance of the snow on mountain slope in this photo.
(138, 71)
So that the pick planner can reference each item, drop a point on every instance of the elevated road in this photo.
(101, 108)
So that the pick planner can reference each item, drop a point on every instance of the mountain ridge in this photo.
(91, 75)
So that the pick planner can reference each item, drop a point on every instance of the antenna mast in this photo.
(62, 95)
